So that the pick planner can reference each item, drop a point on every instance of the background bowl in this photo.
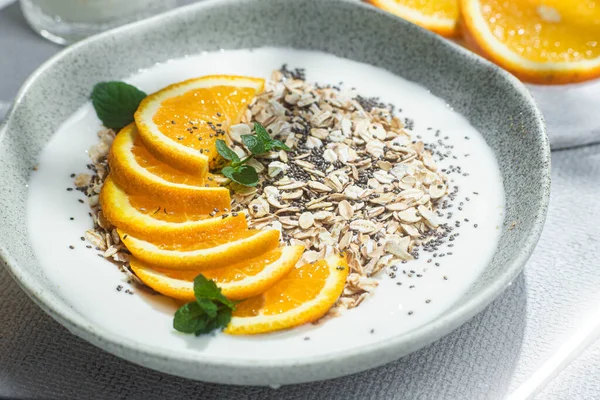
(493, 101)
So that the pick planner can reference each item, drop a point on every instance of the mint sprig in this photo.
(116, 102)
(264, 137)
(210, 311)
(259, 143)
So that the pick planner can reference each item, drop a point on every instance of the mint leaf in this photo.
(226, 152)
(261, 133)
(278, 145)
(223, 318)
(219, 322)
(116, 103)
(257, 144)
(228, 172)
(188, 318)
(208, 289)
(208, 306)
(265, 139)
(254, 144)
(245, 175)
(210, 311)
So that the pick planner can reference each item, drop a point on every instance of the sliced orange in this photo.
(440, 16)
(238, 281)
(154, 220)
(540, 41)
(304, 295)
(135, 169)
(214, 253)
(180, 124)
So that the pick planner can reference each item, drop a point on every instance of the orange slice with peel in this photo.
(151, 219)
(215, 253)
(180, 124)
(134, 168)
(539, 41)
(238, 281)
(440, 16)
(303, 296)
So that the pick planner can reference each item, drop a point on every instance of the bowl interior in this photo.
(494, 103)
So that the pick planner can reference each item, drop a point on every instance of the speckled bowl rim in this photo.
(235, 371)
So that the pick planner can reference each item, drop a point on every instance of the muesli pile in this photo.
(103, 237)
(354, 182)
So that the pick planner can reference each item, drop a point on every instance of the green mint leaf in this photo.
(208, 306)
(208, 289)
(261, 133)
(224, 317)
(254, 144)
(278, 145)
(116, 102)
(189, 318)
(219, 322)
(269, 144)
(228, 172)
(244, 175)
(209, 312)
(226, 152)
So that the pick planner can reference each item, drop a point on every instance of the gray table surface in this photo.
(540, 338)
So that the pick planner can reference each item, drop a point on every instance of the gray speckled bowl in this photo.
(494, 102)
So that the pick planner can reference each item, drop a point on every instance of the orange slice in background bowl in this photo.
(180, 124)
(139, 172)
(238, 281)
(215, 253)
(303, 296)
(440, 16)
(154, 220)
(547, 42)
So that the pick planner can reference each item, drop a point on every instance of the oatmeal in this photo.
(355, 181)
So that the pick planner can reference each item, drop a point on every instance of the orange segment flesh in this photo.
(180, 124)
(440, 16)
(237, 281)
(147, 161)
(153, 220)
(549, 41)
(197, 118)
(304, 295)
(290, 293)
(216, 253)
(135, 169)
(207, 244)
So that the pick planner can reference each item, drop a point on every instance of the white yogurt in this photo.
(89, 282)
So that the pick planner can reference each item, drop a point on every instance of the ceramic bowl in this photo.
(493, 101)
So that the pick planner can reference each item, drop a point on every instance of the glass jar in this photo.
(67, 21)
